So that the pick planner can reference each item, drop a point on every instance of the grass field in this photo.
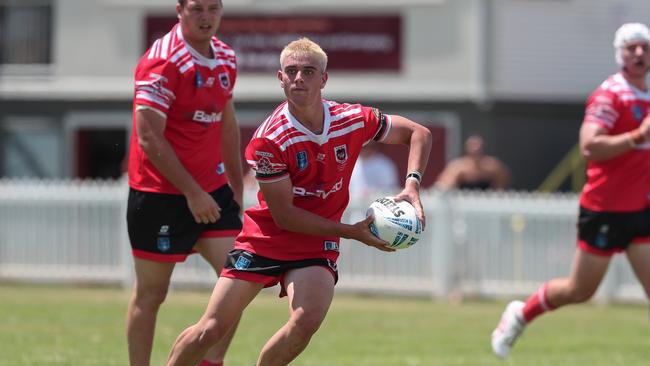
(41, 325)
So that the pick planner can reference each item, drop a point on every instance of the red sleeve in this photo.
(266, 159)
(602, 108)
(155, 83)
(376, 123)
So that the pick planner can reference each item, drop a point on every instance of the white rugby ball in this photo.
(395, 222)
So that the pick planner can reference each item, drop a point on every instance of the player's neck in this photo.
(312, 117)
(638, 81)
(203, 48)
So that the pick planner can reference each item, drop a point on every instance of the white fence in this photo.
(475, 244)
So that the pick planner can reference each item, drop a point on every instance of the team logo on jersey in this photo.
(636, 111)
(301, 159)
(341, 153)
(225, 80)
(320, 157)
(209, 82)
(221, 168)
(264, 166)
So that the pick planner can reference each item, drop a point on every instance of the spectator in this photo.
(373, 172)
(474, 170)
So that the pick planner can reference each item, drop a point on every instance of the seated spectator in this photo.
(474, 170)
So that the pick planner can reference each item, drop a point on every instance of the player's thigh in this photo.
(214, 250)
(229, 298)
(588, 270)
(310, 289)
(152, 275)
(639, 257)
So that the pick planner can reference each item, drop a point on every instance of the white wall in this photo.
(453, 49)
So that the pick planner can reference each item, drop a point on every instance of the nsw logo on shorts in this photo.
(242, 263)
(164, 243)
(331, 245)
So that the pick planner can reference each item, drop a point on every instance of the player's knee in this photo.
(211, 332)
(307, 323)
(150, 298)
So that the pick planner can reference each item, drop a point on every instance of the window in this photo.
(25, 32)
(30, 147)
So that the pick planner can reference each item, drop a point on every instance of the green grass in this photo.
(53, 325)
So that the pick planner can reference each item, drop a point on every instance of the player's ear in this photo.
(323, 80)
(178, 11)
(280, 78)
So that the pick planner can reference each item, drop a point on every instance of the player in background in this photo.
(615, 201)
(185, 172)
(303, 155)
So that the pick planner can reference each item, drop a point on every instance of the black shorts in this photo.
(247, 266)
(162, 228)
(606, 233)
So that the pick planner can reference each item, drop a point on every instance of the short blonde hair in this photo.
(305, 46)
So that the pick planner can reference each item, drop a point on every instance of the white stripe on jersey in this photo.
(644, 97)
(178, 54)
(151, 98)
(346, 130)
(154, 47)
(292, 141)
(166, 45)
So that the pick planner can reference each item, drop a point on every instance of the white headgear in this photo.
(629, 32)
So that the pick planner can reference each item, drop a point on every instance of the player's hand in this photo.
(411, 194)
(203, 207)
(645, 127)
(361, 232)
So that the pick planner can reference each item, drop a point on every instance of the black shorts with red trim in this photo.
(606, 233)
(247, 266)
(161, 226)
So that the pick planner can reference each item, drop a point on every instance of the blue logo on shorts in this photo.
(331, 245)
(164, 243)
(301, 158)
(242, 263)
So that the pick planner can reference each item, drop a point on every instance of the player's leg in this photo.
(310, 291)
(639, 257)
(149, 291)
(587, 272)
(214, 251)
(229, 298)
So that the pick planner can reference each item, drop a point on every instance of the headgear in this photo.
(629, 32)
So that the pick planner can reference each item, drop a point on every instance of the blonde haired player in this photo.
(303, 155)
(615, 201)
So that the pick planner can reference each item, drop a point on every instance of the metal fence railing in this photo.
(475, 244)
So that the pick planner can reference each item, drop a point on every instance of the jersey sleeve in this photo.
(376, 124)
(602, 109)
(155, 82)
(266, 159)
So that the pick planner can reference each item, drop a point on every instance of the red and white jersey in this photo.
(190, 90)
(319, 167)
(621, 183)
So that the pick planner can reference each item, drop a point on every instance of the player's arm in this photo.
(596, 144)
(279, 198)
(150, 125)
(418, 138)
(231, 151)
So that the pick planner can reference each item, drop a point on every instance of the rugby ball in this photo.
(395, 222)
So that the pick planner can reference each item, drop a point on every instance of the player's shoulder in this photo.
(222, 47)
(615, 85)
(167, 50)
(274, 124)
(341, 110)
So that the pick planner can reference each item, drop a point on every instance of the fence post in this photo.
(126, 259)
(442, 251)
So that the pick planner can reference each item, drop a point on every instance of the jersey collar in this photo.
(319, 139)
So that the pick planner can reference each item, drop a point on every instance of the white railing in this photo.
(475, 244)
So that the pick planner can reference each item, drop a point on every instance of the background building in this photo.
(515, 71)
